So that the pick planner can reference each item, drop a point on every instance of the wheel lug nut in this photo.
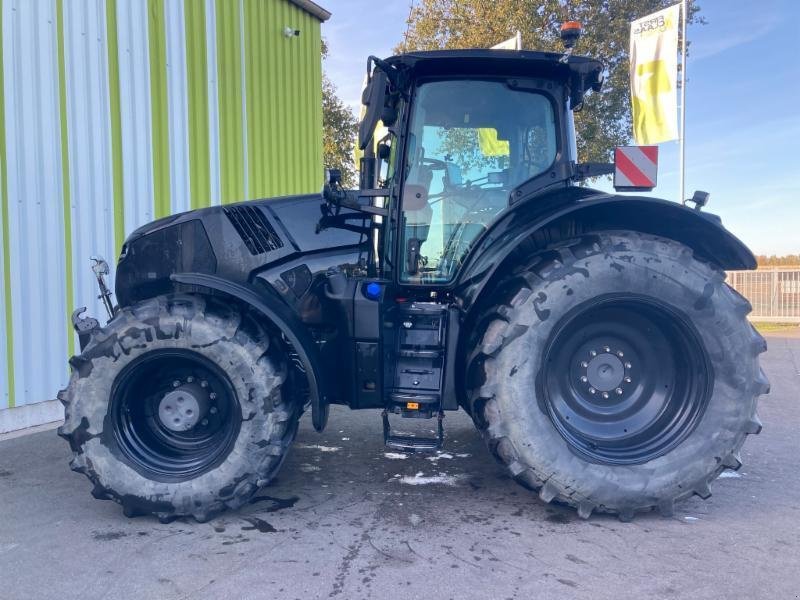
(189, 379)
(213, 410)
(619, 391)
(212, 396)
(606, 349)
(620, 354)
(584, 379)
(592, 352)
(605, 395)
(176, 383)
(592, 390)
(628, 380)
(204, 422)
(204, 384)
(627, 365)
(584, 364)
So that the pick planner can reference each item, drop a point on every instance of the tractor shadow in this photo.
(347, 471)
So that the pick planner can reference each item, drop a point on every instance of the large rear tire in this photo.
(175, 408)
(616, 373)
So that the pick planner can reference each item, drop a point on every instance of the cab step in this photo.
(411, 443)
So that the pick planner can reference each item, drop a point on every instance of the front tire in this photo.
(175, 408)
(617, 374)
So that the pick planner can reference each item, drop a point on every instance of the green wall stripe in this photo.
(229, 86)
(157, 40)
(242, 60)
(317, 173)
(257, 75)
(4, 203)
(116, 123)
(282, 128)
(197, 83)
(283, 100)
(66, 196)
(273, 144)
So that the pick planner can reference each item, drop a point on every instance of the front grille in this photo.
(255, 230)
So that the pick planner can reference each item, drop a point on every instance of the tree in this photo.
(789, 260)
(605, 120)
(338, 131)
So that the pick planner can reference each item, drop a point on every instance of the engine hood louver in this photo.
(255, 230)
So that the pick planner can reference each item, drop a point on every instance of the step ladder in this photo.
(415, 390)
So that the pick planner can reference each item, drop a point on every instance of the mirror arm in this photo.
(587, 170)
(351, 199)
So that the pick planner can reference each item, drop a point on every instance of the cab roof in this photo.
(520, 63)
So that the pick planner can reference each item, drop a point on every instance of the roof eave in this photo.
(313, 9)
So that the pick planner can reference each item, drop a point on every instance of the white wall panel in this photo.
(3, 356)
(137, 141)
(213, 102)
(89, 143)
(178, 104)
(35, 189)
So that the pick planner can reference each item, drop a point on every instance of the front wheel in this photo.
(618, 374)
(175, 408)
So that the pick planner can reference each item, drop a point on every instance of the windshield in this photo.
(470, 144)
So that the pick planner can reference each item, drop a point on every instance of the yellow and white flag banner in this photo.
(654, 75)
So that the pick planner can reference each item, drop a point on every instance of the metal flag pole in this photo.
(682, 151)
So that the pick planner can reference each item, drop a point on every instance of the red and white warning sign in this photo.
(635, 167)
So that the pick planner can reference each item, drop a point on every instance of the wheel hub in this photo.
(605, 372)
(183, 408)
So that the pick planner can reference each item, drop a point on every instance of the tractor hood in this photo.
(232, 241)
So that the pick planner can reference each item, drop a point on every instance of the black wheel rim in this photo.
(148, 390)
(625, 379)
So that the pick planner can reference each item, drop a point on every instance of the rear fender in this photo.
(574, 211)
(288, 323)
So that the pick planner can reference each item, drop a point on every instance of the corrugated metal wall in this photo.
(37, 199)
(116, 112)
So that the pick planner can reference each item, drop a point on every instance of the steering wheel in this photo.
(434, 163)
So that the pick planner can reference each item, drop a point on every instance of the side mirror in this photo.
(333, 177)
(635, 168)
(374, 99)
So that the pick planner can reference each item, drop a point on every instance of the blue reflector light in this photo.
(373, 290)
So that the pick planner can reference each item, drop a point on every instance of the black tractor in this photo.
(591, 337)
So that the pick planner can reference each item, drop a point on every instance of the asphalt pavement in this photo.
(346, 519)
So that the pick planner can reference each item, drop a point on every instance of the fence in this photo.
(774, 294)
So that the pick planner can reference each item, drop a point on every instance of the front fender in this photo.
(288, 323)
(583, 210)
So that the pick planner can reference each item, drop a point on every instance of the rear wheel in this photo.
(175, 408)
(619, 374)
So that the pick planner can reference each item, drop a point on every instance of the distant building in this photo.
(117, 112)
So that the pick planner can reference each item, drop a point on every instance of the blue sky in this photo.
(742, 98)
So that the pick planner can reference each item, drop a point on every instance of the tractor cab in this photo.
(470, 132)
